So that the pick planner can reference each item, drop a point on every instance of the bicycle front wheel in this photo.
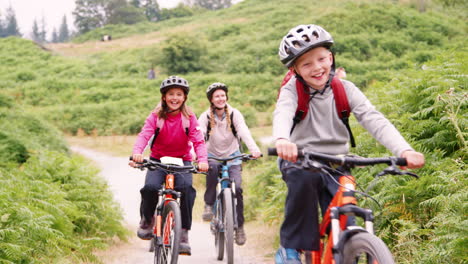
(228, 224)
(167, 252)
(217, 225)
(366, 248)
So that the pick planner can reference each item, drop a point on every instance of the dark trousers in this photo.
(212, 181)
(306, 191)
(149, 194)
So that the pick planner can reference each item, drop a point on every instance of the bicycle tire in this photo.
(366, 248)
(171, 230)
(219, 234)
(151, 247)
(228, 224)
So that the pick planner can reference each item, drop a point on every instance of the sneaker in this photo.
(184, 246)
(207, 213)
(145, 230)
(240, 236)
(287, 256)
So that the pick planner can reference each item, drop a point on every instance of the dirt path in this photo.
(125, 183)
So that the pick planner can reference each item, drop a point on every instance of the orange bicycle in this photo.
(168, 226)
(341, 243)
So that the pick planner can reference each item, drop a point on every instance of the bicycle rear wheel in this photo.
(167, 252)
(366, 248)
(228, 224)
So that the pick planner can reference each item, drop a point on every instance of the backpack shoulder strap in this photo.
(233, 128)
(342, 105)
(302, 98)
(186, 124)
(159, 125)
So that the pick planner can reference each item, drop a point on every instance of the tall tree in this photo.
(89, 14)
(136, 3)
(213, 4)
(121, 12)
(11, 28)
(35, 34)
(2, 30)
(54, 36)
(43, 31)
(151, 10)
(64, 34)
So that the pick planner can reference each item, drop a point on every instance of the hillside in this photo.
(237, 46)
(412, 65)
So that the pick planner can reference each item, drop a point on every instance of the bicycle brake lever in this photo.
(391, 170)
(410, 174)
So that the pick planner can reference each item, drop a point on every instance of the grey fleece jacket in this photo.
(222, 142)
(323, 131)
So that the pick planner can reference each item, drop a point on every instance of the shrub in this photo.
(183, 54)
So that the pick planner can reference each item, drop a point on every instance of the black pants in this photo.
(149, 194)
(212, 181)
(306, 191)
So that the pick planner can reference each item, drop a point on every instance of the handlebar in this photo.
(243, 157)
(152, 165)
(345, 160)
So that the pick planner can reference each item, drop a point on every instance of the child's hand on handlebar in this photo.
(135, 159)
(414, 159)
(256, 154)
(203, 166)
(286, 150)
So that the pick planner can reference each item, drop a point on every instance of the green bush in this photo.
(183, 54)
(55, 210)
(11, 150)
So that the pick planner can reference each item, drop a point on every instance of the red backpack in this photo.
(341, 102)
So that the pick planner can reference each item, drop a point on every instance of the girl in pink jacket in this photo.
(173, 140)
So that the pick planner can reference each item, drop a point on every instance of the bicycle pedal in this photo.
(185, 253)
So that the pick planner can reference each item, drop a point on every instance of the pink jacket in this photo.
(172, 140)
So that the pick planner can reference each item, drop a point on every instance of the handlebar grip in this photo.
(144, 160)
(272, 152)
(401, 162)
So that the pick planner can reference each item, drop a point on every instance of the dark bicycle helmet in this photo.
(301, 39)
(174, 81)
(215, 86)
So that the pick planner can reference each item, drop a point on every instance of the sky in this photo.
(52, 10)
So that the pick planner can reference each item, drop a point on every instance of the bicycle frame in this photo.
(168, 222)
(225, 182)
(344, 202)
(166, 194)
(224, 222)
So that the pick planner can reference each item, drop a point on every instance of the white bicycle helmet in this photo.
(215, 86)
(301, 39)
(174, 81)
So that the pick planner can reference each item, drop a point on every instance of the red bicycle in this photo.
(168, 225)
(342, 243)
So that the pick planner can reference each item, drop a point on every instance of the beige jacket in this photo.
(222, 141)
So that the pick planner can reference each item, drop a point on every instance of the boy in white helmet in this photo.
(306, 51)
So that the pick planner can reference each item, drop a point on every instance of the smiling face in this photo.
(314, 66)
(174, 98)
(219, 98)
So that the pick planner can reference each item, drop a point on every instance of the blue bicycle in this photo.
(224, 221)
